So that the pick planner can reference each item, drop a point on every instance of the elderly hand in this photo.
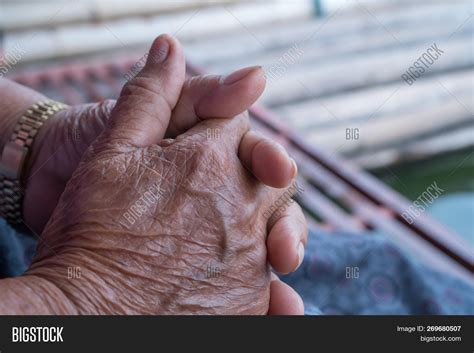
(201, 98)
(197, 244)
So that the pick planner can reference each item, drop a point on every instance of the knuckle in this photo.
(209, 150)
(202, 82)
(144, 90)
(200, 157)
(140, 85)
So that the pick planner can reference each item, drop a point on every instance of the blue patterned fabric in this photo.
(366, 274)
(16, 251)
(341, 274)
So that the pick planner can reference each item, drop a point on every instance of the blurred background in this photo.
(378, 88)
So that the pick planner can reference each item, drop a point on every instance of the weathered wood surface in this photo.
(376, 101)
(71, 39)
(325, 39)
(348, 75)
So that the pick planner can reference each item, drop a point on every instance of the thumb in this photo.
(208, 97)
(143, 110)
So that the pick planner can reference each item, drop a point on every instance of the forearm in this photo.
(32, 295)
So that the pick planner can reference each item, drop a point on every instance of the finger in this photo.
(143, 110)
(267, 160)
(287, 239)
(207, 97)
(283, 299)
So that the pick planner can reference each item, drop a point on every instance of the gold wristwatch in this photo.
(15, 155)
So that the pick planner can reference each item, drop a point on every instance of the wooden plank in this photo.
(324, 32)
(418, 150)
(20, 15)
(187, 25)
(320, 49)
(395, 130)
(359, 71)
(375, 102)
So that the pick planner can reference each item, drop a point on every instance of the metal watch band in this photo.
(14, 156)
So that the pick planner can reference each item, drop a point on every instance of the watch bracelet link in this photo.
(21, 141)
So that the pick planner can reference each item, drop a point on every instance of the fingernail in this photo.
(300, 254)
(295, 167)
(239, 75)
(159, 50)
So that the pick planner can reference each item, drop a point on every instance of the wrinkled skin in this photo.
(66, 136)
(208, 213)
(57, 148)
(145, 111)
